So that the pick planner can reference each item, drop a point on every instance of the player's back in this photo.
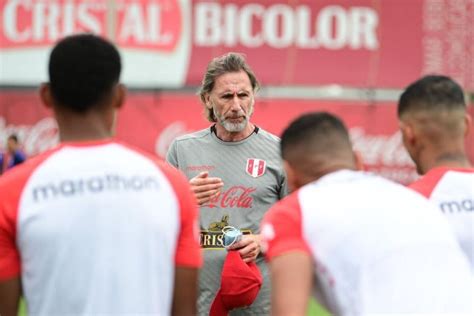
(96, 227)
(452, 190)
(380, 247)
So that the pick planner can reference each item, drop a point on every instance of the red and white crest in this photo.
(255, 167)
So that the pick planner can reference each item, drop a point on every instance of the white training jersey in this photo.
(377, 247)
(96, 228)
(452, 190)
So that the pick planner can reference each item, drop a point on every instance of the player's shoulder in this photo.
(427, 183)
(20, 173)
(155, 159)
(287, 207)
(168, 170)
(283, 219)
(386, 187)
(354, 183)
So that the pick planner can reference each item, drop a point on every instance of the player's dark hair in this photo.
(318, 132)
(432, 93)
(83, 69)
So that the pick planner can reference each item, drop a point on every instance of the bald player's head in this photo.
(313, 145)
(433, 118)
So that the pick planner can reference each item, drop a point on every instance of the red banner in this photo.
(151, 121)
(137, 24)
(362, 43)
(168, 43)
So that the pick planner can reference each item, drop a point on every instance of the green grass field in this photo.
(22, 311)
(313, 310)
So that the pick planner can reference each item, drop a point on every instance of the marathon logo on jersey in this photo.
(94, 185)
(256, 167)
(200, 168)
(213, 238)
(466, 205)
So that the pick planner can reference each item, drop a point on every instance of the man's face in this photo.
(232, 101)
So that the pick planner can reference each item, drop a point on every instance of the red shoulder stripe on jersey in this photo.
(426, 184)
(282, 228)
(12, 184)
(465, 170)
(188, 250)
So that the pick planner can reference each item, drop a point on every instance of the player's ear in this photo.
(467, 122)
(359, 162)
(119, 95)
(408, 133)
(45, 95)
(291, 176)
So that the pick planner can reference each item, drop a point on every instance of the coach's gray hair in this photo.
(231, 62)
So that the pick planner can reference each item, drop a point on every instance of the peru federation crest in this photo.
(255, 167)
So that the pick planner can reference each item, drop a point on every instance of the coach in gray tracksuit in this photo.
(235, 170)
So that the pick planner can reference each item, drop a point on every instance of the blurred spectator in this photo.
(13, 155)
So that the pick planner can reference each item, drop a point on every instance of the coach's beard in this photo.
(234, 127)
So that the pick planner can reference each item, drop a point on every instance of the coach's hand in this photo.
(248, 246)
(205, 187)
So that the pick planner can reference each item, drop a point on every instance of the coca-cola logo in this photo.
(142, 24)
(237, 196)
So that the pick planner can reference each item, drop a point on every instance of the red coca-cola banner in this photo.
(168, 43)
(151, 121)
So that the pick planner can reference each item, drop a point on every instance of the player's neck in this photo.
(323, 170)
(451, 158)
(454, 160)
(72, 133)
(227, 136)
(88, 126)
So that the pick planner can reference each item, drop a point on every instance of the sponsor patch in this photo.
(212, 238)
(255, 167)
